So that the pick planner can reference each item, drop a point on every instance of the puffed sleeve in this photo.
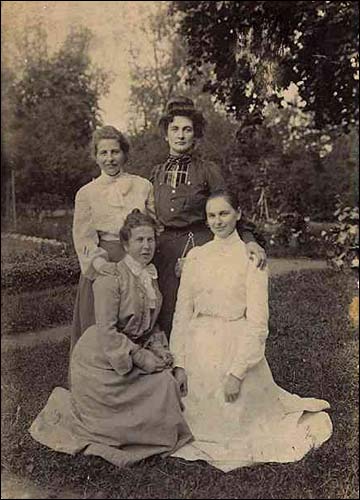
(86, 240)
(150, 202)
(154, 172)
(151, 208)
(251, 342)
(117, 346)
(183, 311)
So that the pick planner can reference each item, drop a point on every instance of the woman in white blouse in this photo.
(237, 413)
(101, 207)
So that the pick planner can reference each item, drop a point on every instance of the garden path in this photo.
(13, 486)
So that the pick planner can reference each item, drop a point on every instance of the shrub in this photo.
(36, 310)
(19, 247)
(58, 228)
(291, 236)
(42, 272)
(343, 240)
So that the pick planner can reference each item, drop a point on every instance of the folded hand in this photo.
(164, 354)
(148, 361)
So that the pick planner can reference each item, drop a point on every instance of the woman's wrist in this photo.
(177, 368)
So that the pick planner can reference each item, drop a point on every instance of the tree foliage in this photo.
(256, 48)
(282, 165)
(52, 107)
(153, 81)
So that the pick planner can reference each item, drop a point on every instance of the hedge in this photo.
(39, 273)
(36, 310)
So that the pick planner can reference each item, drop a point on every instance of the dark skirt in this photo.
(84, 312)
(171, 245)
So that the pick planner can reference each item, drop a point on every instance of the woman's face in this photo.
(180, 135)
(110, 157)
(141, 244)
(221, 217)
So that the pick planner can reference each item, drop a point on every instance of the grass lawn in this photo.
(312, 351)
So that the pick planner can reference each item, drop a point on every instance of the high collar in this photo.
(137, 268)
(232, 239)
(146, 275)
(182, 160)
(182, 157)
(117, 186)
(108, 179)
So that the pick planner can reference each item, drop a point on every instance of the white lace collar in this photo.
(146, 275)
(118, 186)
(137, 268)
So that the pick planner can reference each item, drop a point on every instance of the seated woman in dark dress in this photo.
(125, 402)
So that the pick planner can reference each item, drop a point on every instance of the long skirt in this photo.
(121, 418)
(170, 248)
(84, 312)
(264, 424)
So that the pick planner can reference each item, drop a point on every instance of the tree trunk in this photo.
(13, 198)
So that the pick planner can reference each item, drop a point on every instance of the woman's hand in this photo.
(181, 378)
(179, 267)
(107, 269)
(159, 345)
(256, 252)
(104, 267)
(232, 388)
(163, 354)
(147, 361)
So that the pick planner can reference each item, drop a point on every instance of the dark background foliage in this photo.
(311, 43)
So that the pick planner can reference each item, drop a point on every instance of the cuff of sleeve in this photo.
(239, 371)
(135, 348)
(136, 352)
(179, 361)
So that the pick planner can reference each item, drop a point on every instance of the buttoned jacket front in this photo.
(185, 205)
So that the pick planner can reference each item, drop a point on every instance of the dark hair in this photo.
(230, 196)
(182, 106)
(109, 132)
(135, 218)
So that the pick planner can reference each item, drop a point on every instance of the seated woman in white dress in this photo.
(237, 413)
(124, 404)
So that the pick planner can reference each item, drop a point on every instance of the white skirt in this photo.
(264, 424)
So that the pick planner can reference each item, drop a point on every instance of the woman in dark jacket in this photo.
(182, 185)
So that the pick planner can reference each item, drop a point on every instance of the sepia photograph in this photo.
(180, 249)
